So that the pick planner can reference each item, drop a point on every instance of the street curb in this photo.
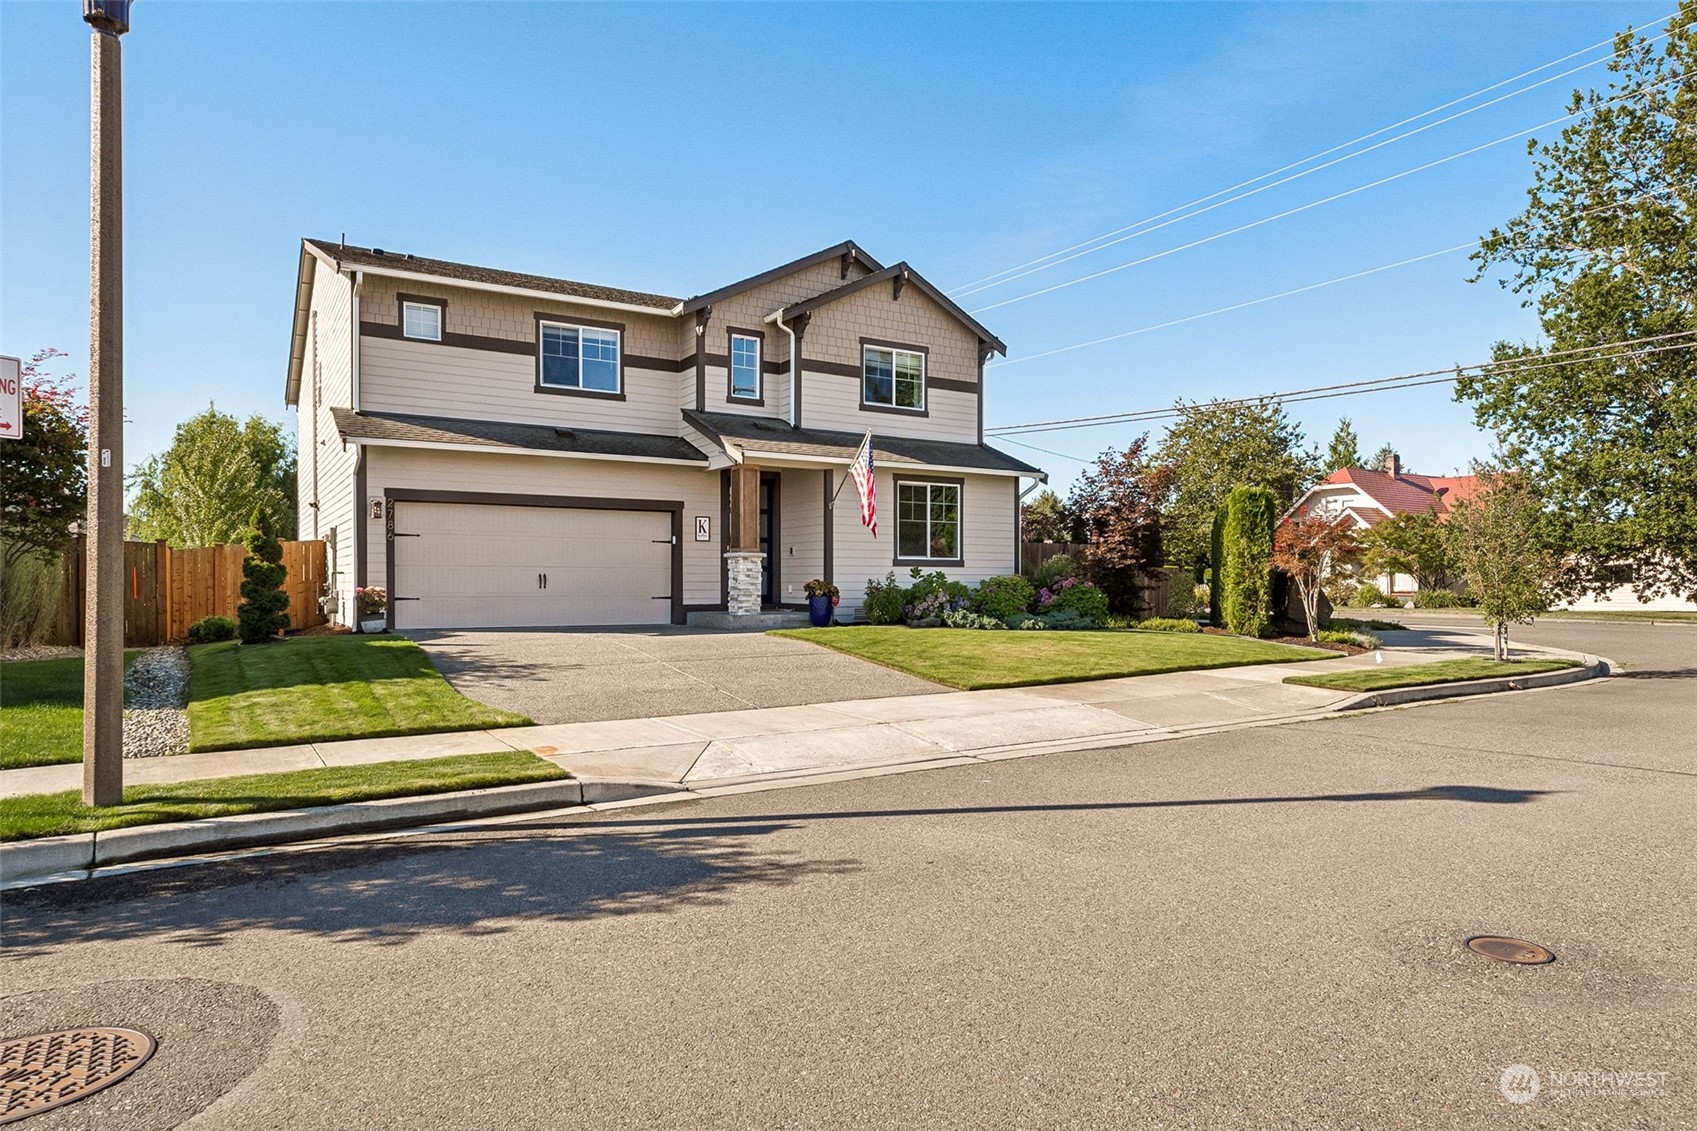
(23, 863)
(1399, 696)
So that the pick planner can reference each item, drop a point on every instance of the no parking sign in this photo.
(11, 398)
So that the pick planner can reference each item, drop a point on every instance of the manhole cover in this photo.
(1504, 949)
(48, 1070)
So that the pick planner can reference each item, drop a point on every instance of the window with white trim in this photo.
(579, 357)
(745, 367)
(928, 521)
(421, 320)
(892, 378)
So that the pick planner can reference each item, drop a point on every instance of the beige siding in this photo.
(698, 491)
(801, 531)
(831, 401)
(987, 537)
(325, 475)
(430, 379)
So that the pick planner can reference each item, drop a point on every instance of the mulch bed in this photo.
(321, 630)
(1299, 641)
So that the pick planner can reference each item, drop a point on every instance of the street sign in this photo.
(11, 398)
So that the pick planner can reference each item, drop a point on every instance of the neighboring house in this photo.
(502, 450)
(1370, 496)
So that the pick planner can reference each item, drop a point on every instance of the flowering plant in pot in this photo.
(371, 601)
(822, 597)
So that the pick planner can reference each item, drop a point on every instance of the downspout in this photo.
(353, 336)
(777, 317)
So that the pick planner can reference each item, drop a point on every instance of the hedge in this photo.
(1245, 562)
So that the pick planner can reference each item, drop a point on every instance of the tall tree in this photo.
(1344, 449)
(1044, 519)
(1245, 564)
(217, 475)
(44, 472)
(1495, 537)
(1216, 446)
(1604, 254)
(1116, 502)
(1412, 544)
(1383, 457)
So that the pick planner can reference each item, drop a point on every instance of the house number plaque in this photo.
(703, 528)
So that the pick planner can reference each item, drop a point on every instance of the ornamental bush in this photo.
(1168, 624)
(931, 595)
(1052, 569)
(1369, 596)
(1245, 564)
(1002, 597)
(1436, 599)
(262, 616)
(1215, 617)
(1068, 620)
(966, 618)
(210, 630)
(884, 600)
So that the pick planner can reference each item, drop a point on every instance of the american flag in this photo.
(861, 471)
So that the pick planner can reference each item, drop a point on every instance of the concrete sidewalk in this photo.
(729, 748)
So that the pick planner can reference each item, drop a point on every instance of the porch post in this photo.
(743, 557)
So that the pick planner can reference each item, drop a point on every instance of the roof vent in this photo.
(377, 251)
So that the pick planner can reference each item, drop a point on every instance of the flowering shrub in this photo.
(1069, 594)
(932, 606)
(1002, 597)
(371, 599)
(931, 595)
(966, 618)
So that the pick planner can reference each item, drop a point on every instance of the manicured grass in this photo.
(322, 688)
(972, 659)
(1420, 675)
(58, 814)
(41, 711)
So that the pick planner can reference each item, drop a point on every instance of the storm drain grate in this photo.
(1504, 949)
(48, 1070)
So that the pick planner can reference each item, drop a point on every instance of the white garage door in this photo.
(460, 565)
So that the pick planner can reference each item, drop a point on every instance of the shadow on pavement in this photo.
(1657, 673)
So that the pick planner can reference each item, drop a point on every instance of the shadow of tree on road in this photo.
(1656, 673)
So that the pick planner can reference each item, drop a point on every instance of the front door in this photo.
(768, 538)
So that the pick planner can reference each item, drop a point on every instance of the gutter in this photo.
(777, 318)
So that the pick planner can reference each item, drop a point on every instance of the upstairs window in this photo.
(927, 521)
(421, 320)
(579, 357)
(745, 367)
(892, 378)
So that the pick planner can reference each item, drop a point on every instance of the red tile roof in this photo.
(1407, 493)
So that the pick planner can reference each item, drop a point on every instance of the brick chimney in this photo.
(1392, 464)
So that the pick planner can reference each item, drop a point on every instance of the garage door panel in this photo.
(472, 565)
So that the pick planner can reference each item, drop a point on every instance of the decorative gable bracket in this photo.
(897, 282)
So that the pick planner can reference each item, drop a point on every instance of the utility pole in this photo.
(103, 635)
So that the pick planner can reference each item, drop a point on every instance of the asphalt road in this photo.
(1252, 929)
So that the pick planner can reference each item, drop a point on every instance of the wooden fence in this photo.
(167, 590)
(1155, 588)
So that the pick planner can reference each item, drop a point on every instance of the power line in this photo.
(1312, 204)
(1376, 384)
(1121, 235)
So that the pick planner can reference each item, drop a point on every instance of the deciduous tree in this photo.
(44, 472)
(217, 475)
(1044, 519)
(1412, 544)
(1115, 503)
(1314, 550)
(1604, 254)
(1495, 537)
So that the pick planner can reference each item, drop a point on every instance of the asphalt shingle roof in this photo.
(1408, 493)
(770, 434)
(498, 435)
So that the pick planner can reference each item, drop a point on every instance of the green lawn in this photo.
(41, 711)
(57, 814)
(973, 659)
(1420, 675)
(322, 688)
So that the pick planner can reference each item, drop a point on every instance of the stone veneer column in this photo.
(742, 568)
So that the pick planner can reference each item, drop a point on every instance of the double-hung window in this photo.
(928, 521)
(892, 378)
(745, 367)
(422, 320)
(579, 357)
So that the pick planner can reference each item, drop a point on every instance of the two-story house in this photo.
(499, 449)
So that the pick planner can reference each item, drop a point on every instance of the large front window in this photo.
(893, 378)
(580, 357)
(928, 521)
(745, 367)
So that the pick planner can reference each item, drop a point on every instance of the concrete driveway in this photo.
(593, 675)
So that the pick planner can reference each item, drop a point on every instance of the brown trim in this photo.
(724, 537)
(798, 369)
(959, 560)
(441, 305)
(830, 531)
(460, 341)
(719, 608)
(360, 521)
(566, 390)
(889, 345)
(393, 495)
(908, 277)
(702, 317)
(916, 412)
(924, 377)
(775, 555)
(657, 364)
(731, 334)
(836, 369)
(950, 385)
(983, 356)
(847, 247)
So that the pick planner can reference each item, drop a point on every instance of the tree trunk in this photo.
(1501, 640)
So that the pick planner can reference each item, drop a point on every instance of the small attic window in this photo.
(421, 320)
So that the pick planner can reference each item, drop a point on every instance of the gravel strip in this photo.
(38, 652)
(155, 688)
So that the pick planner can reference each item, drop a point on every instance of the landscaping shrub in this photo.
(1436, 599)
(1350, 624)
(262, 616)
(884, 600)
(1069, 594)
(211, 630)
(1068, 620)
(29, 597)
(1245, 564)
(1025, 621)
(1214, 615)
(1368, 596)
(1336, 636)
(1051, 570)
(931, 595)
(966, 618)
(1002, 597)
(1168, 624)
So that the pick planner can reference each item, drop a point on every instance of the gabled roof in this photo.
(377, 259)
(435, 431)
(908, 277)
(848, 248)
(1405, 493)
(770, 434)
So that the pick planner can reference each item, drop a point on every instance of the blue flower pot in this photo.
(819, 611)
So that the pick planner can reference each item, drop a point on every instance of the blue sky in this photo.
(676, 148)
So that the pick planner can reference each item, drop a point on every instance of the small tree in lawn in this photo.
(1495, 538)
(1314, 550)
(262, 616)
